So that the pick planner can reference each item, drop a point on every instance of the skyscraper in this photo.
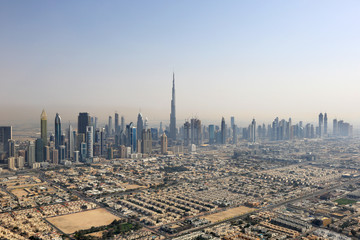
(335, 127)
(89, 141)
(31, 154)
(83, 122)
(71, 139)
(164, 143)
(44, 127)
(5, 136)
(211, 134)
(173, 114)
(223, 131)
(253, 131)
(39, 150)
(321, 123)
(117, 127)
(325, 124)
(110, 127)
(57, 131)
(139, 126)
(122, 128)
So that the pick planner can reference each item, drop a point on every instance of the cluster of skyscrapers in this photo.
(121, 140)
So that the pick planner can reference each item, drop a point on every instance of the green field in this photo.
(345, 201)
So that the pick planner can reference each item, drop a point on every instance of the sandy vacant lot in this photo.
(83, 220)
(230, 213)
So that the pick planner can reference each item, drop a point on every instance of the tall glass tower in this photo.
(173, 114)
(43, 127)
(57, 131)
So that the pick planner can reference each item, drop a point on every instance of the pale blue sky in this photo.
(249, 59)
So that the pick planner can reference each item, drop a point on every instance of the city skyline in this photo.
(247, 62)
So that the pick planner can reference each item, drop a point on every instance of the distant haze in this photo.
(245, 59)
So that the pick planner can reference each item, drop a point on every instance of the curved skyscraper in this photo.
(173, 114)
(57, 131)
(43, 127)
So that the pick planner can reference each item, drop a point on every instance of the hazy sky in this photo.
(249, 59)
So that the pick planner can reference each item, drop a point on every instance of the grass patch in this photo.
(345, 201)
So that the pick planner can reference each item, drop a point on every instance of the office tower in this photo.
(122, 129)
(46, 153)
(325, 124)
(117, 126)
(83, 122)
(89, 141)
(20, 162)
(43, 125)
(71, 142)
(146, 123)
(335, 127)
(110, 154)
(11, 150)
(83, 151)
(232, 121)
(146, 143)
(173, 114)
(55, 156)
(110, 126)
(93, 122)
(253, 131)
(5, 136)
(31, 154)
(187, 138)
(196, 135)
(321, 123)
(102, 141)
(164, 143)
(139, 126)
(211, 134)
(131, 137)
(234, 132)
(223, 131)
(39, 150)
(62, 152)
(76, 156)
(122, 151)
(57, 131)
(11, 163)
(154, 134)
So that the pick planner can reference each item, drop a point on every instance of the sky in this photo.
(246, 59)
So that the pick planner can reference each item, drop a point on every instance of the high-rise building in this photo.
(253, 131)
(122, 128)
(211, 134)
(139, 126)
(83, 122)
(234, 132)
(325, 124)
(223, 131)
(31, 154)
(43, 125)
(110, 127)
(11, 150)
(164, 143)
(146, 143)
(321, 123)
(196, 133)
(62, 152)
(187, 139)
(117, 126)
(39, 150)
(89, 141)
(335, 127)
(173, 113)
(5, 136)
(71, 142)
(57, 131)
